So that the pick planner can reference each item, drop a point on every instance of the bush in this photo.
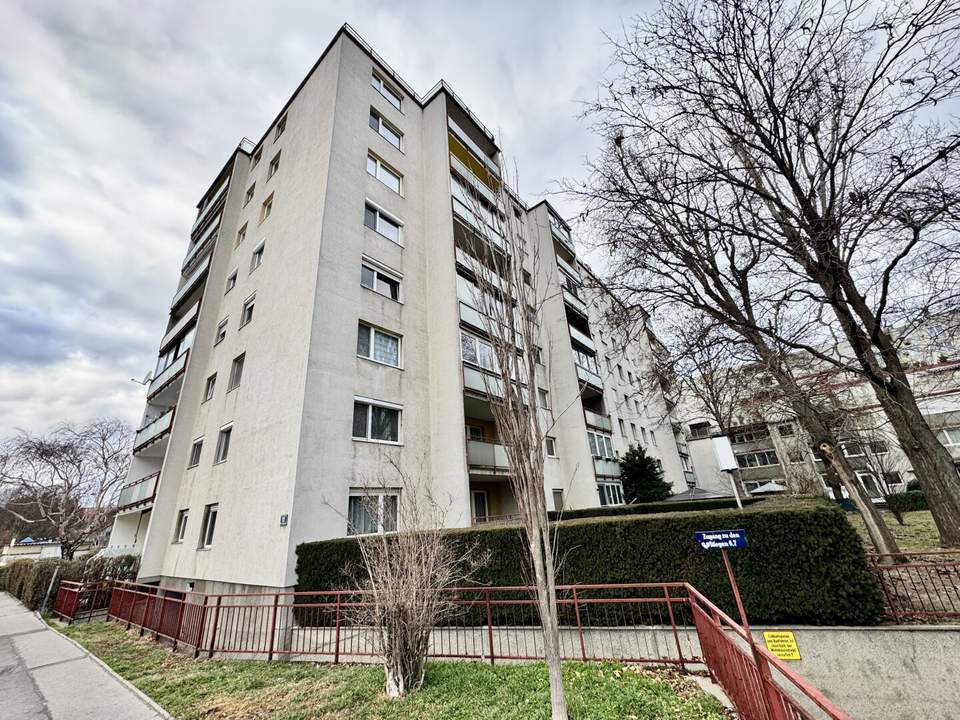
(907, 502)
(652, 508)
(805, 563)
(914, 485)
(28, 580)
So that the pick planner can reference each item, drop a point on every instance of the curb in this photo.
(145, 699)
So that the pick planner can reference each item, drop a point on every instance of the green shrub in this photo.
(804, 564)
(907, 502)
(652, 508)
(29, 580)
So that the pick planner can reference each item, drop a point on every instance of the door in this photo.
(480, 507)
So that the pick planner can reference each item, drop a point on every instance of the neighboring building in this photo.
(323, 330)
(774, 453)
(29, 548)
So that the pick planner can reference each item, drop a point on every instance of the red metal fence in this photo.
(75, 601)
(644, 623)
(919, 585)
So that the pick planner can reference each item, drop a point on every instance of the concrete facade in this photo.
(305, 194)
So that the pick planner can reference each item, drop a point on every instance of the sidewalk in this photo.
(44, 676)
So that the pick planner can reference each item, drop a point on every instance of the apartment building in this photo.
(325, 338)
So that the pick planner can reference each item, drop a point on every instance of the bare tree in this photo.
(794, 140)
(67, 480)
(409, 569)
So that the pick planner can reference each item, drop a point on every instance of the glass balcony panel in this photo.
(485, 454)
(154, 429)
(606, 468)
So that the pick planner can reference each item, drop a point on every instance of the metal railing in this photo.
(75, 600)
(168, 374)
(597, 420)
(917, 585)
(154, 429)
(487, 454)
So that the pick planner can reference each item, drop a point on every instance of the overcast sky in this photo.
(114, 117)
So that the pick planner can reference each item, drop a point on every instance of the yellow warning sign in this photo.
(782, 643)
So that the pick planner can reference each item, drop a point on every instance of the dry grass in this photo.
(918, 533)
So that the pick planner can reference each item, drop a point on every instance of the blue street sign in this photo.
(721, 539)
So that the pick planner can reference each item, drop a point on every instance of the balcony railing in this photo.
(191, 283)
(204, 242)
(169, 374)
(220, 194)
(562, 234)
(138, 492)
(689, 477)
(595, 420)
(153, 430)
(472, 180)
(568, 268)
(582, 338)
(477, 381)
(182, 323)
(575, 302)
(487, 455)
(602, 467)
(468, 217)
(589, 376)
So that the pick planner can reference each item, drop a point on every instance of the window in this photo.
(273, 166)
(558, 500)
(384, 173)
(749, 434)
(257, 156)
(585, 360)
(544, 399)
(623, 428)
(372, 278)
(643, 433)
(248, 197)
(376, 422)
(208, 388)
(630, 377)
(852, 449)
(551, 444)
(481, 506)
(377, 345)
(241, 234)
(281, 126)
(195, 450)
(786, 430)
(223, 444)
(699, 430)
(256, 257)
(950, 436)
(209, 525)
(392, 96)
(636, 405)
(231, 282)
(376, 220)
(246, 314)
(221, 332)
(266, 208)
(878, 447)
(610, 494)
(601, 446)
(633, 431)
(620, 371)
(478, 352)
(653, 438)
(236, 372)
(180, 529)
(474, 432)
(385, 129)
(372, 512)
(761, 458)
(869, 482)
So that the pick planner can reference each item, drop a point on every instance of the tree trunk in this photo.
(542, 554)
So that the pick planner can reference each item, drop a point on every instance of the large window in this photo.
(223, 444)
(950, 436)
(372, 511)
(610, 493)
(209, 525)
(373, 278)
(374, 421)
(478, 352)
(175, 350)
(375, 344)
(384, 173)
(601, 446)
(377, 220)
(392, 96)
(387, 131)
(749, 434)
(585, 360)
(761, 458)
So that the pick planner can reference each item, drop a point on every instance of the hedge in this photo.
(907, 502)
(28, 580)
(651, 508)
(804, 564)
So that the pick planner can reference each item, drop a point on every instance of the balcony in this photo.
(568, 268)
(468, 176)
(172, 372)
(472, 317)
(154, 430)
(571, 299)
(600, 422)
(174, 332)
(582, 338)
(603, 467)
(562, 234)
(202, 244)
(191, 283)
(487, 455)
(689, 477)
(139, 493)
(589, 377)
(207, 209)
(477, 380)
(462, 210)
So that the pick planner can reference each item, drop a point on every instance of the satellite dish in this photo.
(146, 379)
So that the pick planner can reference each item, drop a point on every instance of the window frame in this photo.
(236, 376)
(208, 528)
(605, 488)
(248, 198)
(258, 252)
(274, 165)
(209, 387)
(266, 208)
(377, 329)
(180, 528)
(246, 311)
(550, 446)
(383, 122)
(363, 494)
(222, 452)
(221, 332)
(196, 448)
(386, 90)
(281, 126)
(950, 436)
(766, 453)
(371, 403)
(380, 214)
(231, 281)
(383, 165)
(379, 269)
(257, 156)
(241, 236)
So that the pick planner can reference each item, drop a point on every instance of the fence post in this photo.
(576, 612)
(336, 637)
(673, 625)
(203, 626)
(891, 607)
(93, 602)
(176, 634)
(273, 625)
(490, 627)
(213, 630)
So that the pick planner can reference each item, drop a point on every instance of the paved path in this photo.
(44, 676)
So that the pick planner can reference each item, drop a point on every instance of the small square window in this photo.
(551, 444)
(223, 445)
(181, 528)
(241, 234)
(208, 388)
(231, 282)
(249, 196)
(195, 451)
(256, 257)
(274, 166)
(281, 126)
(375, 344)
(375, 422)
(257, 156)
(209, 525)
(266, 208)
(369, 512)
(376, 220)
(373, 278)
(221, 332)
(236, 372)
(246, 315)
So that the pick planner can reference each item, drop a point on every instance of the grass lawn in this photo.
(919, 532)
(234, 689)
